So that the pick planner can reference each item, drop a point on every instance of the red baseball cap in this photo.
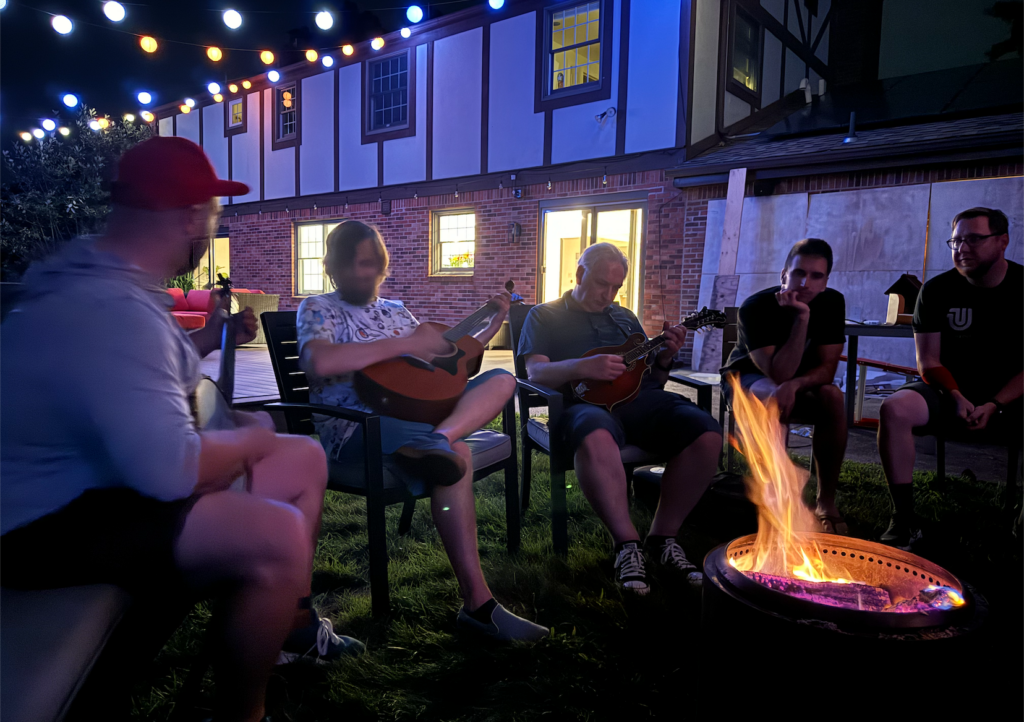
(161, 174)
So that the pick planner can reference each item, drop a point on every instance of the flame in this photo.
(776, 485)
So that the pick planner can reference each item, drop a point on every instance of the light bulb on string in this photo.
(214, 53)
(324, 20)
(25, 136)
(233, 88)
(246, 84)
(64, 131)
(114, 11)
(214, 88)
(184, 108)
(217, 98)
(377, 43)
(312, 55)
(406, 32)
(496, 4)
(70, 100)
(327, 61)
(232, 19)
(148, 43)
(190, 103)
(347, 49)
(147, 116)
(61, 24)
(38, 133)
(267, 57)
(49, 124)
(414, 13)
(145, 98)
(129, 118)
(103, 123)
(3, 4)
(273, 76)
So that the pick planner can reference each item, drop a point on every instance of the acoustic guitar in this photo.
(638, 354)
(427, 390)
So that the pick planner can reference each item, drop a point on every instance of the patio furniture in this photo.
(492, 452)
(536, 435)
(260, 303)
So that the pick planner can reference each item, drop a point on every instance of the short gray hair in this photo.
(602, 252)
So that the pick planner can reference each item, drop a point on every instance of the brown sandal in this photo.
(833, 524)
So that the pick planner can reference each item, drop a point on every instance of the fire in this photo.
(775, 485)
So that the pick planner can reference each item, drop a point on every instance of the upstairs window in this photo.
(234, 116)
(745, 69)
(575, 47)
(388, 94)
(454, 243)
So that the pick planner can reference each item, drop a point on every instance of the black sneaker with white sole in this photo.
(630, 567)
(902, 534)
(318, 643)
(672, 559)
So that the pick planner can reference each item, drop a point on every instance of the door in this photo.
(215, 260)
(567, 233)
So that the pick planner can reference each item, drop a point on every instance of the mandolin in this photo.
(427, 390)
(638, 354)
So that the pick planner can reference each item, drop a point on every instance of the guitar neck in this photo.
(472, 321)
(653, 344)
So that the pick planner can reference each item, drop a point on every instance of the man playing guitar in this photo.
(554, 337)
(352, 328)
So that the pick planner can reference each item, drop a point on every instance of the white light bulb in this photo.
(38, 133)
(273, 76)
(377, 43)
(327, 60)
(114, 11)
(94, 124)
(496, 4)
(406, 32)
(64, 131)
(232, 19)
(61, 24)
(145, 98)
(324, 20)
(190, 103)
(214, 88)
(3, 4)
(70, 100)
(414, 13)
(49, 124)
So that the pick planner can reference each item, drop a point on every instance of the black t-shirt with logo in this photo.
(981, 342)
(763, 322)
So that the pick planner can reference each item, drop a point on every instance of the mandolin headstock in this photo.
(705, 318)
(510, 287)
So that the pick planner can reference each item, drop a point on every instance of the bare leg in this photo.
(687, 476)
(899, 414)
(454, 511)
(829, 445)
(603, 480)
(477, 406)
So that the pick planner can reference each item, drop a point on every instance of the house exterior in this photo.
(492, 145)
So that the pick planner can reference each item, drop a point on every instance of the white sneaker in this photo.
(632, 574)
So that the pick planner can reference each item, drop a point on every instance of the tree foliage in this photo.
(57, 188)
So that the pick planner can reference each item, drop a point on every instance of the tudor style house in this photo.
(492, 145)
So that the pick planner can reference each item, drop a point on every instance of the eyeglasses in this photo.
(971, 240)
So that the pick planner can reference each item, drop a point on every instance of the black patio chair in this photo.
(492, 452)
(536, 435)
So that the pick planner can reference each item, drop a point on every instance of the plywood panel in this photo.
(317, 155)
(457, 104)
(651, 107)
(770, 227)
(713, 235)
(515, 134)
(405, 159)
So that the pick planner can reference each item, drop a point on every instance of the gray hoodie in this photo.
(95, 381)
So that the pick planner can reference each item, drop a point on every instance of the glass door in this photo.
(567, 233)
(215, 260)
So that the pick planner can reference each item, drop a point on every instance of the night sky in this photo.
(107, 68)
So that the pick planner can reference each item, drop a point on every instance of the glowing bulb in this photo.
(148, 43)
(324, 20)
(129, 117)
(246, 84)
(347, 49)
(414, 13)
(406, 32)
(377, 43)
(61, 24)
(214, 54)
(312, 55)
(49, 124)
(496, 4)
(218, 98)
(184, 108)
(3, 4)
(25, 136)
(114, 11)
(103, 122)
(38, 133)
(327, 60)
(70, 100)
(233, 88)
(267, 57)
(145, 98)
(190, 103)
(147, 116)
(273, 76)
(232, 19)
(214, 88)
(64, 131)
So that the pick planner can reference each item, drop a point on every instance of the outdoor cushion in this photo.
(190, 321)
(198, 300)
(180, 304)
(51, 639)
(538, 431)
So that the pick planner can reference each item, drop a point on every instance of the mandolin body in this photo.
(623, 389)
(414, 389)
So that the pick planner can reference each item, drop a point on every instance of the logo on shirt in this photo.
(959, 318)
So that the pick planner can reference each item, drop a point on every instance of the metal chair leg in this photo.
(559, 511)
(380, 595)
(512, 512)
(527, 465)
(1012, 459)
(405, 523)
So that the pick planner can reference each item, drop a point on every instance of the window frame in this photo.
(731, 84)
(294, 140)
(435, 242)
(577, 95)
(405, 131)
(298, 291)
(237, 129)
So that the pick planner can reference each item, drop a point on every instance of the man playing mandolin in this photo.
(554, 337)
(352, 328)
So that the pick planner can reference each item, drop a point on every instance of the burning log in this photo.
(855, 596)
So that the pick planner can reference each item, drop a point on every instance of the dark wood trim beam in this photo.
(380, 163)
(430, 110)
(548, 120)
(337, 129)
(485, 94)
(782, 33)
(687, 29)
(262, 144)
(623, 90)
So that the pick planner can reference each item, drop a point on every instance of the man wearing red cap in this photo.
(104, 469)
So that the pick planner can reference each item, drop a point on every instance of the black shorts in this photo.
(111, 536)
(657, 421)
(942, 418)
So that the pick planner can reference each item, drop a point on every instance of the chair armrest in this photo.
(553, 398)
(703, 389)
(338, 412)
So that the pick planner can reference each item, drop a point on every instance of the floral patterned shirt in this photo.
(330, 318)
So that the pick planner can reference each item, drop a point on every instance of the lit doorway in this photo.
(567, 233)
(216, 260)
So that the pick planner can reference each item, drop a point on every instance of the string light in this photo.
(70, 100)
(214, 88)
(218, 98)
(246, 84)
(129, 117)
(327, 60)
(145, 98)
(148, 43)
(312, 55)
(406, 32)
(347, 49)
(377, 43)
(61, 24)
(38, 133)
(496, 4)
(414, 13)
(214, 54)
(49, 124)
(25, 136)
(232, 19)
(114, 11)
(190, 103)
(184, 108)
(64, 131)
(324, 20)
(147, 116)
(103, 123)
(273, 76)
(267, 57)
(233, 88)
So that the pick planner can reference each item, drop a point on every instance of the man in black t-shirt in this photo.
(790, 340)
(970, 354)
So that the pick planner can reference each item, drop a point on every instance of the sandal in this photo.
(833, 524)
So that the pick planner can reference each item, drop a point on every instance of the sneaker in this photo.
(902, 535)
(630, 562)
(671, 557)
(430, 456)
(319, 644)
(503, 627)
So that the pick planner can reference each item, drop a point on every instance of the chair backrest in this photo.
(198, 300)
(282, 343)
(730, 332)
(516, 318)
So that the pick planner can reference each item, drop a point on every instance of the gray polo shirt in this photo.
(95, 386)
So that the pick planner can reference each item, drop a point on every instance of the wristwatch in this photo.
(998, 405)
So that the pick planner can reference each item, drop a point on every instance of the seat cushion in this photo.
(190, 321)
(180, 304)
(539, 433)
(51, 639)
(488, 447)
(198, 300)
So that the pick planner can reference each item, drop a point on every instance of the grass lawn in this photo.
(607, 657)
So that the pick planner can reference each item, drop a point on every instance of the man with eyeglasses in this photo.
(970, 354)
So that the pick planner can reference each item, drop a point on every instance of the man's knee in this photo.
(831, 400)
(282, 555)
(897, 411)
(707, 445)
(309, 457)
(504, 384)
(598, 443)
